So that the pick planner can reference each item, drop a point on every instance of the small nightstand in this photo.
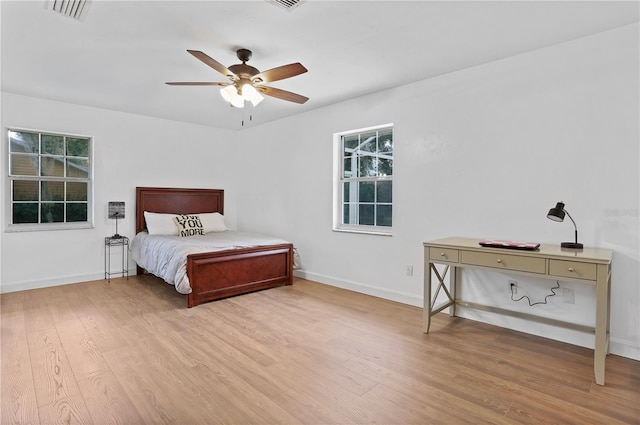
(109, 242)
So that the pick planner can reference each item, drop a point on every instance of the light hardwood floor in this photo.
(130, 352)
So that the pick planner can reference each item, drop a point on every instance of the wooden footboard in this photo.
(215, 275)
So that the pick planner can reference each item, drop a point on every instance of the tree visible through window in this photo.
(50, 177)
(366, 179)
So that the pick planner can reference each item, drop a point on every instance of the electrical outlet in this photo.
(512, 286)
(568, 296)
(409, 270)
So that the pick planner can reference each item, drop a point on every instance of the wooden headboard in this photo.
(176, 201)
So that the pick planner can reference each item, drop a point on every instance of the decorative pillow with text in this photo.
(189, 225)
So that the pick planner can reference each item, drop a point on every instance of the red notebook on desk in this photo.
(529, 246)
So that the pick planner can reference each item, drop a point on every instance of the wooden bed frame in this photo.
(219, 274)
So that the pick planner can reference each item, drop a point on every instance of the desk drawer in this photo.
(444, 254)
(573, 269)
(504, 261)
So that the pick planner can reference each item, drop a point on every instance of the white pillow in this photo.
(212, 222)
(160, 224)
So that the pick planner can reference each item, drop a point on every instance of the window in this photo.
(364, 184)
(50, 177)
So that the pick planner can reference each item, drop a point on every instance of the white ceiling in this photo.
(121, 53)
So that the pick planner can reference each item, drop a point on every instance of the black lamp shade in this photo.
(557, 213)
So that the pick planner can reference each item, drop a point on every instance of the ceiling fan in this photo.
(246, 81)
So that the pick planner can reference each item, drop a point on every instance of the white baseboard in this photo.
(58, 281)
(361, 288)
(624, 349)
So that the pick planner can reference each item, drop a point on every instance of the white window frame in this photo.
(338, 180)
(28, 227)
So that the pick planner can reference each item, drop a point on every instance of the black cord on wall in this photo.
(538, 302)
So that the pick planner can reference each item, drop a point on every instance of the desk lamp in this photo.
(116, 210)
(557, 214)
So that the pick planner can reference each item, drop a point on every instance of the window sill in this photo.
(14, 228)
(363, 231)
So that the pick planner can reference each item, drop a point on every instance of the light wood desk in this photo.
(591, 266)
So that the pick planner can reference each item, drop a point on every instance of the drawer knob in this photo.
(571, 269)
(442, 254)
(499, 260)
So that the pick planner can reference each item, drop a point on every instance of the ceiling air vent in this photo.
(286, 4)
(75, 9)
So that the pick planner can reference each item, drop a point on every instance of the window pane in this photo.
(366, 191)
(349, 143)
(383, 215)
(25, 213)
(52, 212)
(383, 192)
(21, 141)
(366, 215)
(349, 214)
(52, 191)
(385, 167)
(77, 191)
(77, 168)
(52, 145)
(24, 165)
(385, 141)
(346, 192)
(25, 191)
(348, 166)
(368, 142)
(77, 147)
(367, 166)
(76, 212)
(52, 166)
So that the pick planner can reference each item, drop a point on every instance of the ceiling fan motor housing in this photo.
(243, 70)
(244, 54)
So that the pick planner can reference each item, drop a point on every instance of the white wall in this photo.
(483, 152)
(130, 151)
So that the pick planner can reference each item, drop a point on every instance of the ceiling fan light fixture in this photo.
(224, 92)
(230, 94)
(255, 101)
(251, 94)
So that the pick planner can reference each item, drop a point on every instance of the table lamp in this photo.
(116, 210)
(557, 214)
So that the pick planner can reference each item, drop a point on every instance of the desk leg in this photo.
(430, 300)
(426, 311)
(454, 280)
(602, 322)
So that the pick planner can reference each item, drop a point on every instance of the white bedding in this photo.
(166, 256)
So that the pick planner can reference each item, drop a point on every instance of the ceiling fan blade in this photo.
(212, 63)
(196, 83)
(280, 73)
(282, 94)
